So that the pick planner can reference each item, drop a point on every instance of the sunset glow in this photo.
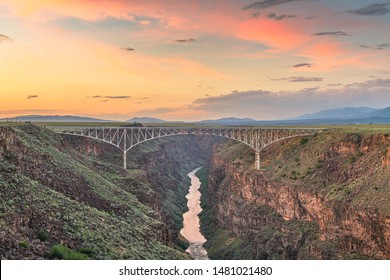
(192, 60)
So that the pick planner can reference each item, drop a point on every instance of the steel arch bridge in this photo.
(125, 138)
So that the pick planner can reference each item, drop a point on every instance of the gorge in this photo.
(324, 196)
(191, 223)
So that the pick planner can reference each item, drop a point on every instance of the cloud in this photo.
(332, 33)
(190, 40)
(377, 47)
(382, 46)
(4, 38)
(371, 84)
(260, 5)
(255, 15)
(299, 79)
(280, 17)
(128, 49)
(117, 96)
(109, 97)
(333, 85)
(375, 9)
(261, 104)
(32, 96)
(302, 65)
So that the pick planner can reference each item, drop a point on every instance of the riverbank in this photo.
(191, 223)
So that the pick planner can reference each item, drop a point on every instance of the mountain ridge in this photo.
(345, 112)
(345, 115)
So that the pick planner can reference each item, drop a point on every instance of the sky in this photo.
(192, 60)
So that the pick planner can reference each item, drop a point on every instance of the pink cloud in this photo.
(276, 34)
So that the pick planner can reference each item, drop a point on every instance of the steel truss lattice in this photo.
(129, 137)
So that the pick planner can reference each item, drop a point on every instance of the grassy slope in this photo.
(157, 169)
(275, 239)
(319, 164)
(341, 165)
(46, 187)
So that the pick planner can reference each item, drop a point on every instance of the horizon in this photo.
(194, 121)
(193, 60)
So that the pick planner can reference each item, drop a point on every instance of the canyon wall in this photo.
(68, 198)
(320, 197)
(338, 181)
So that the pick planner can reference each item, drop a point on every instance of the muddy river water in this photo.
(191, 225)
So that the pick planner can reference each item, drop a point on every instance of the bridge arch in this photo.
(127, 138)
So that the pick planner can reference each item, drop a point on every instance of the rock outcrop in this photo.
(354, 227)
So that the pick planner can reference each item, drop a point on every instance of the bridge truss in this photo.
(129, 137)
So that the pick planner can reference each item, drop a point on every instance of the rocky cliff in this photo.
(70, 198)
(320, 197)
(338, 181)
(157, 171)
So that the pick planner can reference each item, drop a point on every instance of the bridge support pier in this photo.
(124, 160)
(257, 160)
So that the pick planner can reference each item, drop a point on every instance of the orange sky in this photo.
(192, 60)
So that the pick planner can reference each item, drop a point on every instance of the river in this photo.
(191, 223)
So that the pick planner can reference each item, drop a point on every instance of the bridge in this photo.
(125, 138)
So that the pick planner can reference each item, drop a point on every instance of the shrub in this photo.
(24, 244)
(351, 159)
(309, 171)
(183, 244)
(319, 163)
(42, 235)
(347, 190)
(88, 251)
(64, 253)
(304, 140)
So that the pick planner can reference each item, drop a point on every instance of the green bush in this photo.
(183, 244)
(319, 163)
(88, 251)
(352, 159)
(24, 244)
(304, 140)
(309, 171)
(43, 235)
(62, 252)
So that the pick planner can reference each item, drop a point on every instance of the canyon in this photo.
(324, 196)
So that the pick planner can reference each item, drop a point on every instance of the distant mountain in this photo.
(151, 120)
(339, 113)
(56, 118)
(348, 115)
(230, 121)
(381, 113)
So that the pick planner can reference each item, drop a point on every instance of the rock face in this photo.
(386, 159)
(355, 228)
(72, 193)
(165, 165)
(325, 197)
